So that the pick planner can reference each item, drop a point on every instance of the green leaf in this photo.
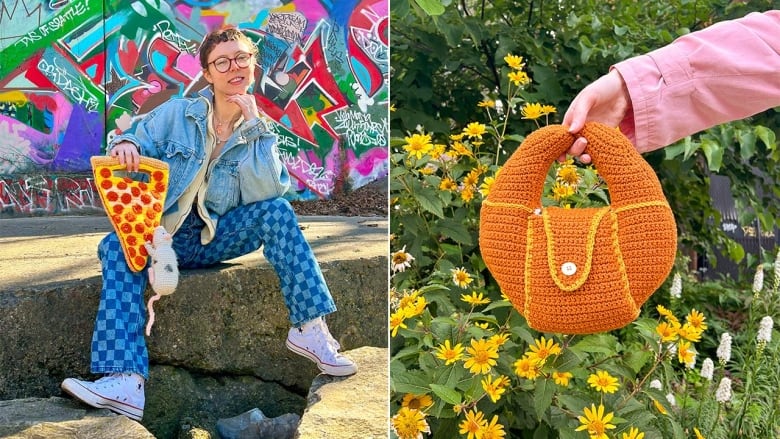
(768, 137)
(543, 396)
(448, 395)
(747, 144)
(413, 381)
(573, 403)
(713, 151)
(636, 359)
(429, 202)
(601, 343)
(431, 7)
(454, 230)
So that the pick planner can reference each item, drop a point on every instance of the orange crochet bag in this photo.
(583, 270)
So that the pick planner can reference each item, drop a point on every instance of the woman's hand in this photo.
(128, 155)
(247, 104)
(605, 100)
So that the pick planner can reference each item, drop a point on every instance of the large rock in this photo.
(58, 418)
(350, 407)
(230, 320)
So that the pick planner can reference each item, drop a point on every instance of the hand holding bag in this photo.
(583, 270)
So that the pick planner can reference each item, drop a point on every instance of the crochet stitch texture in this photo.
(578, 271)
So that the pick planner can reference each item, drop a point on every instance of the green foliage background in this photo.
(447, 55)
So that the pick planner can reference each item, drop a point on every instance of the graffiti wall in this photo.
(75, 73)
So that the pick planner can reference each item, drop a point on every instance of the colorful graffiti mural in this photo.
(73, 74)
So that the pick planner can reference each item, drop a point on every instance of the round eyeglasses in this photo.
(222, 64)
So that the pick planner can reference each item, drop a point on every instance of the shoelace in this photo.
(332, 341)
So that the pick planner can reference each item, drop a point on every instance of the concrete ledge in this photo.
(224, 326)
(350, 407)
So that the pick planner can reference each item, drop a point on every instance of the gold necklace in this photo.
(218, 128)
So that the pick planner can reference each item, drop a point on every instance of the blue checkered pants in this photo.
(118, 343)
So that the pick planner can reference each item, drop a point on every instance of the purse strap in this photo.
(630, 179)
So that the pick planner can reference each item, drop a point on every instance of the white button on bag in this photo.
(569, 268)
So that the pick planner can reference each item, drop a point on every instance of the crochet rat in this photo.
(164, 270)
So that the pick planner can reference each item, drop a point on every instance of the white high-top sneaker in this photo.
(314, 341)
(122, 393)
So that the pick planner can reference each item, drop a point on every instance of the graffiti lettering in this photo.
(334, 50)
(289, 26)
(56, 23)
(169, 35)
(374, 48)
(68, 84)
(313, 176)
(359, 129)
(41, 194)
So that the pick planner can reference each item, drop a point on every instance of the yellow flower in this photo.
(459, 149)
(401, 260)
(698, 433)
(416, 402)
(482, 357)
(397, 321)
(596, 422)
(447, 184)
(473, 423)
(475, 299)
(634, 433)
(418, 145)
(660, 407)
(429, 168)
(494, 388)
(457, 137)
(472, 178)
(684, 353)
(498, 340)
(518, 78)
(467, 194)
(483, 325)
(449, 353)
(561, 191)
(543, 348)
(696, 319)
(514, 61)
(668, 332)
(414, 308)
(567, 174)
(392, 108)
(474, 129)
(460, 277)
(487, 103)
(562, 378)
(689, 332)
(437, 150)
(494, 430)
(408, 299)
(603, 382)
(409, 423)
(666, 313)
(486, 185)
(531, 111)
(547, 109)
(528, 367)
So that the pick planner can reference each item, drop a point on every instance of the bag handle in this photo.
(629, 177)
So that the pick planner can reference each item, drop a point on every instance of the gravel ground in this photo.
(368, 200)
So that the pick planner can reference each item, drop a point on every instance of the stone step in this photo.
(217, 346)
(350, 407)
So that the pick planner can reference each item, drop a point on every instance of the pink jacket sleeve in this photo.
(725, 72)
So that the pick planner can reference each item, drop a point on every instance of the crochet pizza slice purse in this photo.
(581, 270)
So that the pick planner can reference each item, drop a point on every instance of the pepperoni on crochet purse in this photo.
(579, 270)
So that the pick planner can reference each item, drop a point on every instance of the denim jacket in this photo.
(247, 170)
